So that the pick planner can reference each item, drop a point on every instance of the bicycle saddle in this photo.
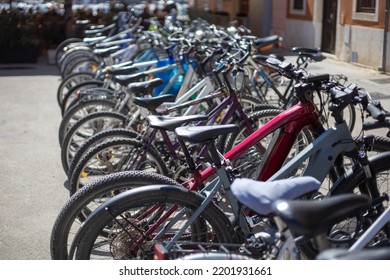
(151, 103)
(106, 51)
(269, 40)
(305, 50)
(262, 58)
(312, 217)
(200, 134)
(260, 196)
(124, 70)
(170, 123)
(129, 80)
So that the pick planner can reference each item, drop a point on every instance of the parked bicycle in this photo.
(182, 198)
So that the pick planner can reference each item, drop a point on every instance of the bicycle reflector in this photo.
(160, 253)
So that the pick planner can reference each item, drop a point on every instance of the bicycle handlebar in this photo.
(341, 96)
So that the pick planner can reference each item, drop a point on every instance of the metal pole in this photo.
(385, 30)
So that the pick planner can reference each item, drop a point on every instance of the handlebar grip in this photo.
(375, 125)
(375, 112)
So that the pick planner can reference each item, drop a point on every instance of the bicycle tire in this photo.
(349, 113)
(77, 207)
(77, 58)
(211, 225)
(113, 156)
(81, 109)
(72, 93)
(85, 128)
(60, 49)
(74, 53)
(70, 82)
(97, 139)
(352, 182)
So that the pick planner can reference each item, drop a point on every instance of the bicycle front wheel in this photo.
(119, 154)
(85, 128)
(70, 82)
(130, 224)
(345, 233)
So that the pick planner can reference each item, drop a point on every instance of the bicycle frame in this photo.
(327, 147)
(370, 233)
(296, 118)
(230, 103)
(293, 119)
(286, 96)
(259, 71)
(201, 89)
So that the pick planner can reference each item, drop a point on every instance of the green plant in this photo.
(18, 29)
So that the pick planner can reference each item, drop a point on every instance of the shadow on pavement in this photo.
(28, 69)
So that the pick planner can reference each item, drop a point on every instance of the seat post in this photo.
(214, 154)
(189, 159)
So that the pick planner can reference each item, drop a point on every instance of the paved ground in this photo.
(31, 176)
(30, 169)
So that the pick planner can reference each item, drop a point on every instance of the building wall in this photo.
(300, 29)
(279, 11)
(358, 41)
(361, 41)
(260, 17)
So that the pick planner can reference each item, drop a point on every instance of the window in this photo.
(298, 7)
(366, 10)
(366, 6)
(244, 6)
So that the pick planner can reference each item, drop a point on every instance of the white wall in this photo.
(260, 17)
(279, 15)
(360, 45)
(299, 33)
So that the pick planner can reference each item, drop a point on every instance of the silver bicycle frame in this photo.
(322, 152)
(367, 236)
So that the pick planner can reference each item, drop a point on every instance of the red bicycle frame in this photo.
(290, 122)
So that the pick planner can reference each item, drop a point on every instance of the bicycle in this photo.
(148, 53)
(63, 219)
(88, 233)
(119, 100)
(83, 166)
(295, 221)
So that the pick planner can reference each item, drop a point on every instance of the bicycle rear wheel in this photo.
(80, 110)
(85, 200)
(128, 226)
(70, 82)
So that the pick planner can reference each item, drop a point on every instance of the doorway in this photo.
(329, 24)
